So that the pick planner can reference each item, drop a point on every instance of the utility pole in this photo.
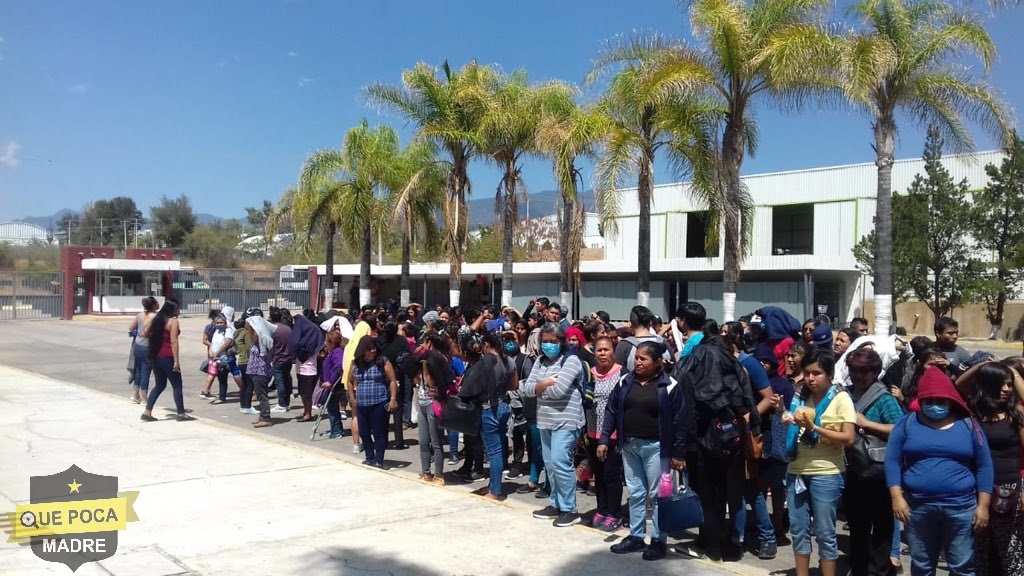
(69, 231)
(136, 232)
(124, 224)
(101, 231)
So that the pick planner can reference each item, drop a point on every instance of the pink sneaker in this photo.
(598, 520)
(611, 524)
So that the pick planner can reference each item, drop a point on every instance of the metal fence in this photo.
(31, 295)
(204, 289)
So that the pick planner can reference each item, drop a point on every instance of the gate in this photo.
(205, 289)
(31, 295)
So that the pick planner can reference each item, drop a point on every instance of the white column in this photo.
(364, 296)
(328, 298)
(883, 314)
(565, 299)
(506, 297)
(453, 297)
(405, 297)
(728, 306)
(643, 298)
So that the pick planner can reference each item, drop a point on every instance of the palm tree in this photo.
(905, 57)
(417, 192)
(508, 131)
(779, 49)
(447, 111)
(566, 138)
(646, 115)
(315, 217)
(357, 176)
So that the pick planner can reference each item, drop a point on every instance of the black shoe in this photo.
(655, 551)
(546, 513)
(400, 447)
(543, 493)
(477, 476)
(628, 545)
(527, 488)
(767, 550)
(514, 472)
(566, 519)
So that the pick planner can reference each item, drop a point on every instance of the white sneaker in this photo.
(278, 408)
(357, 448)
(249, 411)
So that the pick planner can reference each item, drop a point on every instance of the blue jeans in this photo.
(819, 500)
(536, 454)
(283, 382)
(494, 426)
(373, 430)
(142, 368)
(163, 370)
(558, 447)
(935, 528)
(334, 412)
(453, 444)
(896, 529)
(765, 528)
(642, 462)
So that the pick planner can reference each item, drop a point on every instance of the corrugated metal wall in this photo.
(749, 297)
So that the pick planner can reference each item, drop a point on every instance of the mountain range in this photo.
(481, 210)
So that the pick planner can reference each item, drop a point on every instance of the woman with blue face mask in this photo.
(939, 472)
(556, 383)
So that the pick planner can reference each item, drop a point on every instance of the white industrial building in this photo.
(806, 223)
(24, 234)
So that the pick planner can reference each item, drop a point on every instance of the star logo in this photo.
(74, 486)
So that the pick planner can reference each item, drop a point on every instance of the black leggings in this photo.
(718, 482)
(607, 479)
(163, 370)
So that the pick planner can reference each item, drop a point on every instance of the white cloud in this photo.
(293, 54)
(78, 88)
(303, 82)
(9, 158)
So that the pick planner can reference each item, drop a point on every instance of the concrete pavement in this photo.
(219, 499)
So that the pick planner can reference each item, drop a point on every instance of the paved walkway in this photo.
(220, 498)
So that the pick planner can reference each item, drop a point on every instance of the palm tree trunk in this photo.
(364, 266)
(564, 272)
(403, 282)
(332, 230)
(458, 229)
(732, 157)
(508, 223)
(645, 183)
(885, 132)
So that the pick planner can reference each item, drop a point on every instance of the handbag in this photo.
(461, 416)
(754, 448)
(1006, 498)
(680, 511)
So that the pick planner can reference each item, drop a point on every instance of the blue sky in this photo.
(223, 100)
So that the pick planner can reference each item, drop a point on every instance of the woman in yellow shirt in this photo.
(823, 423)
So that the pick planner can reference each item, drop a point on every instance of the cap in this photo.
(431, 316)
(822, 335)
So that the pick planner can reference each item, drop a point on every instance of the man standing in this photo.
(281, 360)
(860, 325)
(640, 320)
(689, 321)
(947, 332)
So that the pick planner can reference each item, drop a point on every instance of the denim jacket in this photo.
(671, 415)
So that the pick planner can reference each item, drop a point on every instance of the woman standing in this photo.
(163, 333)
(939, 472)
(645, 412)
(844, 338)
(243, 345)
(332, 381)
(487, 381)
(259, 369)
(140, 350)
(1000, 548)
(823, 421)
(376, 391)
(394, 347)
(555, 381)
(607, 471)
(868, 507)
(478, 379)
(434, 373)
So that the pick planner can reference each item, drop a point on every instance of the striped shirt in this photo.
(560, 406)
(371, 385)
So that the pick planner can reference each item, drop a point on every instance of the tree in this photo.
(566, 138)
(348, 185)
(105, 222)
(173, 220)
(646, 115)
(67, 225)
(906, 57)
(258, 216)
(508, 131)
(997, 227)
(939, 215)
(213, 245)
(446, 111)
(417, 192)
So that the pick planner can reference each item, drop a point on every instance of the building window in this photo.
(696, 235)
(793, 229)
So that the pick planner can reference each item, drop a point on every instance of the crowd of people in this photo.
(906, 440)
